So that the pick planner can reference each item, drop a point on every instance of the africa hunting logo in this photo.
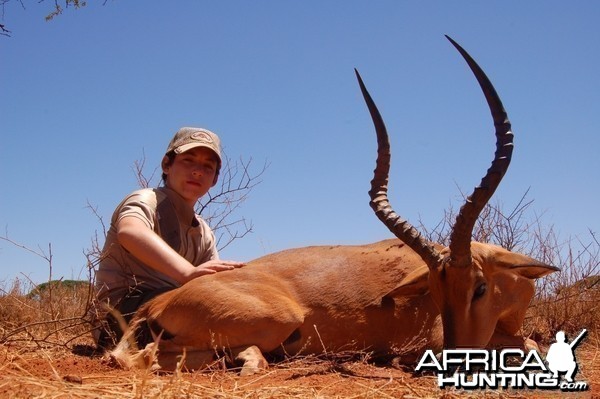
(508, 368)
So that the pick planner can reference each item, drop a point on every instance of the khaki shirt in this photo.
(120, 272)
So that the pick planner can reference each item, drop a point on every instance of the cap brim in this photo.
(187, 147)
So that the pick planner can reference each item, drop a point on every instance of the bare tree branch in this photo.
(139, 166)
(4, 31)
(236, 184)
(58, 8)
(494, 225)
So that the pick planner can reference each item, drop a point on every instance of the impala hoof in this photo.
(530, 345)
(253, 360)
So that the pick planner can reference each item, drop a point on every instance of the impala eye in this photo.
(479, 291)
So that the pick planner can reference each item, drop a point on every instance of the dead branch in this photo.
(237, 182)
(4, 31)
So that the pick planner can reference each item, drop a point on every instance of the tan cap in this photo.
(187, 138)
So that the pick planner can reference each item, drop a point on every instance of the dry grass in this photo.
(300, 381)
(570, 299)
(45, 352)
(52, 373)
(52, 315)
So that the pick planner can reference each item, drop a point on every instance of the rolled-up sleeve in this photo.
(141, 205)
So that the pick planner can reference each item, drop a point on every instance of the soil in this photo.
(58, 372)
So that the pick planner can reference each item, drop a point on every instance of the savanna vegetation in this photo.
(46, 348)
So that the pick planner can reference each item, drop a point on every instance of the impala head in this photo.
(476, 287)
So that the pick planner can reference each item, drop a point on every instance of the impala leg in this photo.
(189, 359)
(172, 358)
(504, 340)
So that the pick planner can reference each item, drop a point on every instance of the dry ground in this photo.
(28, 371)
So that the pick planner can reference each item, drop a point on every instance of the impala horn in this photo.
(460, 239)
(379, 187)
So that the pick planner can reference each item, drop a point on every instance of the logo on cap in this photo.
(202, 137)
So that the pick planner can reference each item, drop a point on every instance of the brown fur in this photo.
(373, 297)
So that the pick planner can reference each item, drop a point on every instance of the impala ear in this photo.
(523, 265)
(416, 283)
(534, 269)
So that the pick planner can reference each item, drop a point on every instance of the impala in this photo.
(395, 297)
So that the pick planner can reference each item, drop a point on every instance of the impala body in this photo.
(395, 297)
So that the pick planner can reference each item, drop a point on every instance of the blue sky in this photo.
(85, 95)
